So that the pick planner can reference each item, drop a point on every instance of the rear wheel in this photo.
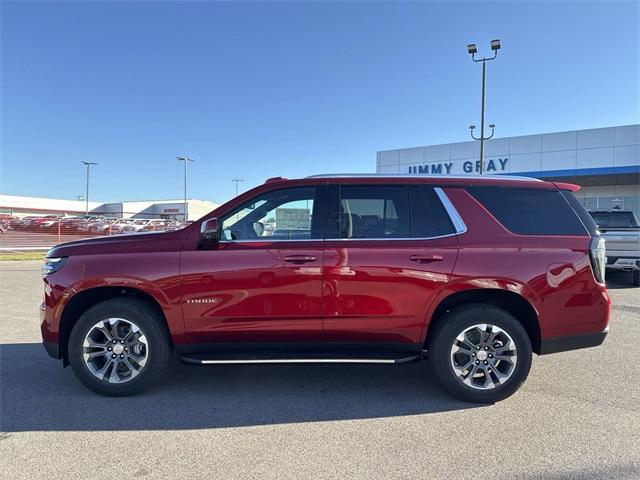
(480, 353)
(119, 347)
(636, 278)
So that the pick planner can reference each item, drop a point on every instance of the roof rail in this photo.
(405, 175)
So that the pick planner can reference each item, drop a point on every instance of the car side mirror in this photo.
(210, 230)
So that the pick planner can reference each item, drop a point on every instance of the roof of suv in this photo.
(460, 180)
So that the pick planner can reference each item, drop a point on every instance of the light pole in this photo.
(237, 181)
(186, 160)
(86, 197)
(472, 49)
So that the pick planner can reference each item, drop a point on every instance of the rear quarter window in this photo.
(530, 212)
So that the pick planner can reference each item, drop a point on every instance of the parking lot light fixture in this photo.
(186, 160)
(86, 197)
(237, 182)
(472, 50)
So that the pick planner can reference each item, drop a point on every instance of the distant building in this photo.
(292, 219)
(165, 209)
(19, 206)
(605, 162)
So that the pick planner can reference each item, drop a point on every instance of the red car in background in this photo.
(474, 273)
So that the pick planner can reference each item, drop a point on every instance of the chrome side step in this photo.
(195, 360)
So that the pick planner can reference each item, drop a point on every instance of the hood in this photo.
(135, 243)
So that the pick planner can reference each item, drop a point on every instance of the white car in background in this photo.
(85, 224)
(119, 225)
(50, 222)
(146, 225)
(102, 226)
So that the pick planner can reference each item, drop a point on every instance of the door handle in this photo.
(426, 258)
(300, 258)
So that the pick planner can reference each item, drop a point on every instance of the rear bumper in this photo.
(623, 263)
(573, 342)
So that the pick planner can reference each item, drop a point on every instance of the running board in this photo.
(216, 360)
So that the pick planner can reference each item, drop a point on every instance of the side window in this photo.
(373, 211)
(428, 216)
(530, 211)
(278, 215)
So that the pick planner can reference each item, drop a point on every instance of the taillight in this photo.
(598, 257)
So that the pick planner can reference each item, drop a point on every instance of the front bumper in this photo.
(52, 349)
(572, 342)
(49, 340)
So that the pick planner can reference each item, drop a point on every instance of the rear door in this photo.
(389, 250)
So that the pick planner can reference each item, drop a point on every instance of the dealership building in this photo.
(20, 206)
(605, 162)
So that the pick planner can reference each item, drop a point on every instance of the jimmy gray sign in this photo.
(449, 168)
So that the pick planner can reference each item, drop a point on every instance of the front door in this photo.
(389, 250)
(262, 283)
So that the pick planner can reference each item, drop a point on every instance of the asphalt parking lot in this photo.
(576, 416)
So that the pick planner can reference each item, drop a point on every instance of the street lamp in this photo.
(237, 181)
(472, 49)
(86, 197)
(186, 160)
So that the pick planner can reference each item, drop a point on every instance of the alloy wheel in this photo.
(115, 350)
(483, 356)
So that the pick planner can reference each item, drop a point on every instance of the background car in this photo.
(102, 226)
(621, 231)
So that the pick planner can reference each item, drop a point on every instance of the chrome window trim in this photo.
(387, 239)
(258, 240)
(404, 239)
(458, 224)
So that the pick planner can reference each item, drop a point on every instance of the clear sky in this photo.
(261, 89)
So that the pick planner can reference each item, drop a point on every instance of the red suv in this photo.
(474, 274)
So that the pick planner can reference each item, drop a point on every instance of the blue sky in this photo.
(261, 89)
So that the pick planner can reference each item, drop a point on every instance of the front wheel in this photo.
(480, 353)
(119, 347)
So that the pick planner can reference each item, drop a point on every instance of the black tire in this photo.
(455, 322)
(158, 355)
(636, 278)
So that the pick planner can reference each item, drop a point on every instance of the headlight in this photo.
(52, 265)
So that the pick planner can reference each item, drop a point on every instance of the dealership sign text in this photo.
(447, 168)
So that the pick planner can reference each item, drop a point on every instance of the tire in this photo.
(489, 384)
(142, 349)
(636, 278)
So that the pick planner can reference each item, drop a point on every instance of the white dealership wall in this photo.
(20, 206)
(165, 209)
(604, 161)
